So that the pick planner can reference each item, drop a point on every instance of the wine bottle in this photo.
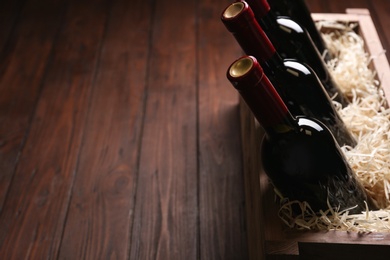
(299, 12)
(296, 83)
(299, 154)
(293, 41)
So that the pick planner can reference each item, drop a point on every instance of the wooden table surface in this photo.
(119, 133)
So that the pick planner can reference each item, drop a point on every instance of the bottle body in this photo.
(300, 155)
(307, 165)
(299, 12)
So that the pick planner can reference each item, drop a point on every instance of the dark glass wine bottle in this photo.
(293, 41)
(299, 12)
(299, 154)
(295, 82)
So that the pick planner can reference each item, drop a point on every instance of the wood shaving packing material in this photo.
(368, 119)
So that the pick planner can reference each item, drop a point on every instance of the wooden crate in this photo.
(268, 238)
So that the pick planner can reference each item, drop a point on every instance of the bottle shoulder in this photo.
(314, 130)
(286, 23)
(296, 67)
(301, 75)
(300, 45)
(309, 149)
(307, 130)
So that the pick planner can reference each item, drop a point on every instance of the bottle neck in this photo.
(248, 78)
(275, 63)
(240, 20)
(263, 13)
(299, 11)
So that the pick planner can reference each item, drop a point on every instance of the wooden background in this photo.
(119, 133)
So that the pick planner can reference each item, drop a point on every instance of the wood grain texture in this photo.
(254, 213)
(103, 194)
(166, 209)
(119, 132)
(24, 61)
(220, 173)
(34, 214)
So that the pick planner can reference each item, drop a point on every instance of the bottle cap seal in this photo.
(247, 76)
(240, 20)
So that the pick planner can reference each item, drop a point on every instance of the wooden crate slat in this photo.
(268, 237)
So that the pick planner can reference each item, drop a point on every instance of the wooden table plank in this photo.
(33, 216)
(22, 69)
(221, 199)
(102, 201)
(166, 210)
(123, 141)
(10, 11)
(318, 6)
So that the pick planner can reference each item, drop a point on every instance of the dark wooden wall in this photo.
(119, 133)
